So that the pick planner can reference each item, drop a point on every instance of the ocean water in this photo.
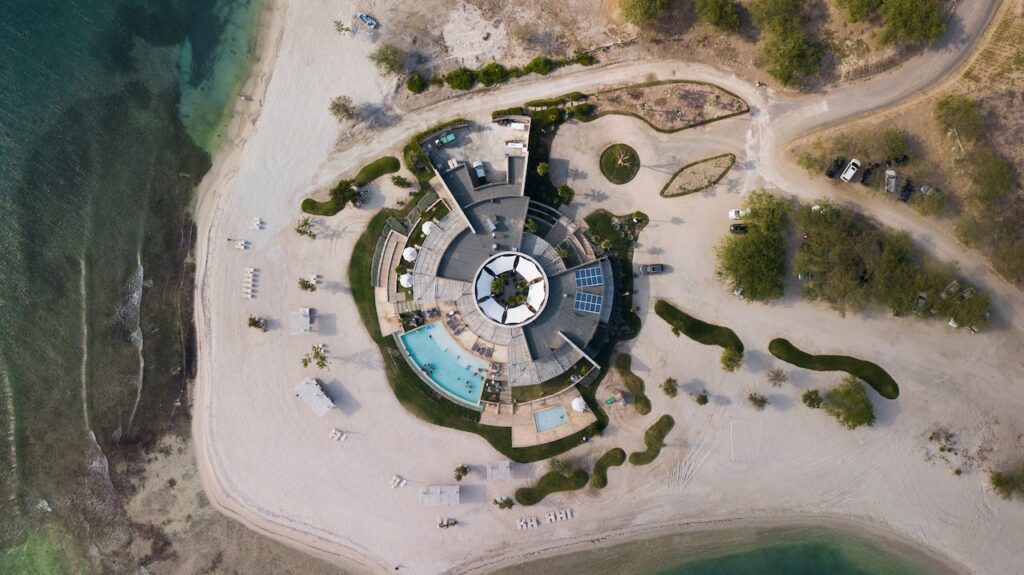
(798, 550)
(108, 109)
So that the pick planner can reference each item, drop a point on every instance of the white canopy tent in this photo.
(579, 405)
(428, 227)
(518, 314)
(493, 309)
(409, 254)
(405, 280)
(502, 264)
(529, 270)
(535, 297)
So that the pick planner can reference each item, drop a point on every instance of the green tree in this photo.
(543, 168)
(758, 401)
(342, 108)
(343, 192)
(641, 12)
(701, 398)
(461, 471)
(530, 225)
(721, 14)
(960, 113)
(756, 261)
(504, 503)
(541, 65)
(731, 359)
(858, 10)
(1006, 483)
(400, 181)
(307, 285)
(565, 194)
(461, 78)
(416, 83)
(789, 55)
(850, 404)
(812, 398)
(388, 59)
(670, 386)
(491, 74)
(257, 323)
(912, 21)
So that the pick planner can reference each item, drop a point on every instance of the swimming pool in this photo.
(454, 371)
(550, 418)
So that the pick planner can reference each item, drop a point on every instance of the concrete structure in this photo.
(312, 392)
(439, 495)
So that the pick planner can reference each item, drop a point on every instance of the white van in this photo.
(518, 126)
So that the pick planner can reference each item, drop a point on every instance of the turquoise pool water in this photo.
(453, 370)
(550, 418)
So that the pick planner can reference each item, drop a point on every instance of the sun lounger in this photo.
(561, 515)
(532, 522)
(568, 513)
(520, 524)
(551, 517)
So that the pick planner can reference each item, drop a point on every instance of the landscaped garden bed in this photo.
(634, 383)
(695, 329)
(670, 105)
(619, 163)
(654, 439)
(612, 458)
(551, 482)
(698, 176)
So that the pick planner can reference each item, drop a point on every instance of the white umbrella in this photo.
(409, 254)
(428, 227)
(405, 280)
(579, 405)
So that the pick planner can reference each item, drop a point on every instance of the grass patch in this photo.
(698, 176)
(654, 439)
(551, 482)
(612, 458)
(872, 374)
(369, 173)
(695, 329)
(552, 386)
(634, 383)
(619, 163)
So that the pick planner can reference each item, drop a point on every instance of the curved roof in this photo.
(529, 271)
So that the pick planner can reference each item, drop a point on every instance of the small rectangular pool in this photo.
(454, 371)
(550, 418)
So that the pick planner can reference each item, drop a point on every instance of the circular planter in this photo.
(619, 163)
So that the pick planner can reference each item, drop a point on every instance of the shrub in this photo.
(551, 483)
(758, 401)
(992, 174)
(461, 78)
(1006, 483)
(491, 74)
(789, 55)
(583, 112)
(461, 471)
(641, 12)
(960, 113)
(612, 458)
(912, 21)
(257, 323)
(701, 398)
(731, 359)
(850, 404)
(342, 108)
(584, 58)
(776, 376)
(565, 194)
(388, 59)
(812, 398)
(654, 439)
(721, 14)
(541, 65)
(304, 227)
(670, 386)
(514, 111)
(416, 83)
(307, 285)
(504, 503)
(401, 182)
(543, 168)
(858, 10)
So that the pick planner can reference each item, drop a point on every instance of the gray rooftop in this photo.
(311, 392)
(468, 251)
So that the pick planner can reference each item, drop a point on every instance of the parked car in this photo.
(479, 167)
(738, 214)
(837, 165)
(890, 181)
(850, 171)
(444, 139)
(906, 191)
(738, 228)
(652, 269)
(368, 20)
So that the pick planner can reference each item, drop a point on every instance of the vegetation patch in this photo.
(619, 163)
(875, 376)
(615, 236)
(698, 176)
(521, 393)
(1006, 483)
(669, 105)
(654, 439)
(634, 383)
(347, 190)
(789, 56)
(551, 482)
(695, 329)
(722, 14)
(849, 403)
(754, 264)
(612, 458)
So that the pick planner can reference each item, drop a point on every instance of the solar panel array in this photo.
(589, 277)
(588, 302)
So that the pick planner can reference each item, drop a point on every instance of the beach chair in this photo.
(521, 524)
(561, 515)
(551, 517)
(532, 522)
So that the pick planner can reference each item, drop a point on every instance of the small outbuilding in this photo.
(439, 495)
(312, 392)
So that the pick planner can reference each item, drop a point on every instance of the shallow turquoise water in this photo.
(550, 418)
(446, 363)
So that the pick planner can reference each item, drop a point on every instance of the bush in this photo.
(670, 386)
(960, 113)
(654, 439)
(758, 401)
(342, 108)
(461, 78)
(612, 458)
(543, 168)
(721, 14)
(812, 398)
(695, 329)
(565, 194)
(514, 111)
(583, 112)
(1006, 483)
(875, 376)
(504, 503)
(388, 59)
(416, 83)
(541, 65)
(584, 58)
(491, 74)
(641, 12)
(912, 21)
(993, 175)
(634, 383)
(756, 261)
(401, 182)
(850, 404)
(551, 483)
(701, 398)
(731, 359)
(789, 55)
(858, 10)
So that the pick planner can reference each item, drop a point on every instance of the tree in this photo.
(461, 471)
(307, 285)
(756, 261)
(342, 108)
(257, 323)
(491, 74)
(560, 466)
(315, 356)
(776, 376)
(565, 194)
(388, 59)
(731, 359)
(543, 168)
(416, 83)
(858, 10)
(641, 12)
(812, 398)
(530, 225)
(960, 113)
(789, 55)
(305, 228)
(758, 401)
(400, 182)
(343, 192)
(504, 503)
(541, 65)
(850, 404)
(461, 78)
(702, 398)
(670, 387)
(721, 14)
(912, 21)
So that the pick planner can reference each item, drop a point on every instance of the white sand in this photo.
(267, 461)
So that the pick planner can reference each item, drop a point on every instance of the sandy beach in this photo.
(268, 462)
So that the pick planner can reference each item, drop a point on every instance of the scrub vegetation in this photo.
(789, 55)
(849, 404)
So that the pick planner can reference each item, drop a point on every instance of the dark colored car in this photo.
(652, 269)
(836, 167)
(738, 228)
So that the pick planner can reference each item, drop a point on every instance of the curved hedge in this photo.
(615, 172)
(612, 458)
(872, 374)
(549, 483)
(369, 173)
(634, 383)
(654, 439)
(695, 329)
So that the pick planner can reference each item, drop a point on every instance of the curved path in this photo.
(266, 461)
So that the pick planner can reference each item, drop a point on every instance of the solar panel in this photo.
(588, 302)
(589, 277)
